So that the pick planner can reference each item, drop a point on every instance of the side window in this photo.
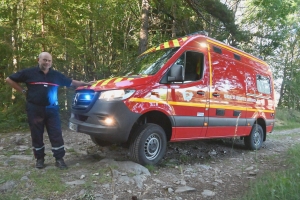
(193, 66)
(263, 84)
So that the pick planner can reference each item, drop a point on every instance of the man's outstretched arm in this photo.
(76, 83)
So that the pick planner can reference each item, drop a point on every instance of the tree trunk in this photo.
(281, 93)
(144, 27)
(174, 21)
(42, 23)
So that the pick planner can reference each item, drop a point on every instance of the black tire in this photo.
(255, 139)
(148, 145)
(100, 142)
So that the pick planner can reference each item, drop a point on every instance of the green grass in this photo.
(151, 168)
(87, 196)
(291, 136)
(49, 182)
(11, 196)
(283, 185)
(44, 184)
(286, 119)
(15, 176)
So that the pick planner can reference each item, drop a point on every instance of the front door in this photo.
(189, 98)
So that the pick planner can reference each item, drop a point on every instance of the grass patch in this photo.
(291, 136)
(49, 182)
(151, 168)
(73, 152)
(279, 185)
(184, 158)
(28, 151)
(9, 153)
(87, 196)
(10, 196)
(286, 119)
(13, 176)
(101, 176)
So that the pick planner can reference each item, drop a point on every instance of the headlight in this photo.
(116, 94)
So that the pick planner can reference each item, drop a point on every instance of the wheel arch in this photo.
(155, 117)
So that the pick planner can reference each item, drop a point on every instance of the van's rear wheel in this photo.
(255, 139)
(100, 142)
(148, 145)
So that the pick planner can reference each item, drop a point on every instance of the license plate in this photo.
(73, 127)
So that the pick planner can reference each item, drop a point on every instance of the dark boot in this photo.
(40, 163)
(60, 163)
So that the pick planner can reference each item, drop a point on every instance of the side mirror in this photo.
(176, 73)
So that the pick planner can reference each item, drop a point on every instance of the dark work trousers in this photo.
(40, 117)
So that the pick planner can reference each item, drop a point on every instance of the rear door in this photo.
(259, 94)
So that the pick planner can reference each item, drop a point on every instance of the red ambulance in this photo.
(188, 88)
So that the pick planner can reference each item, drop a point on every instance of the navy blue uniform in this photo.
(42, 107)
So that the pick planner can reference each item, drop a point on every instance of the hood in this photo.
(119, 82)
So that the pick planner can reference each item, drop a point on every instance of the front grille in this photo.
(83, 99)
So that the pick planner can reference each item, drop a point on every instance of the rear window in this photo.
(263, 84)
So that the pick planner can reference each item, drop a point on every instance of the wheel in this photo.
(148, 145)
(255, 139)
(100, 142)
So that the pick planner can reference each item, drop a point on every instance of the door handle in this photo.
(216, 94)
(201, 92)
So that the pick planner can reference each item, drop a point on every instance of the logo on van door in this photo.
(187, 96)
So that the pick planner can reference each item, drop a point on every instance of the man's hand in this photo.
(81, 83)
(91, 82)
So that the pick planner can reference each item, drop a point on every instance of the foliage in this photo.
(275, 32)
(267, 20)
(14, 117)
(92, 40)
(88, 39)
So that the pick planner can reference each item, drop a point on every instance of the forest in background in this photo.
(96, 39)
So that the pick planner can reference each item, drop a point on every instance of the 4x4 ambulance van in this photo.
(189, 88)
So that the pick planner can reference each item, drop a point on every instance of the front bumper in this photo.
(92, 122)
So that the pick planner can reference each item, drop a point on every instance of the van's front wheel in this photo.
(149, 144)
(255, 139)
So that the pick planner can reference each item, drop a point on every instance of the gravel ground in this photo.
(204, 169)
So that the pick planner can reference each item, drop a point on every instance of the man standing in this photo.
(42, 105)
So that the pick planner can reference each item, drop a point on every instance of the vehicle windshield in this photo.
(151, 63)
